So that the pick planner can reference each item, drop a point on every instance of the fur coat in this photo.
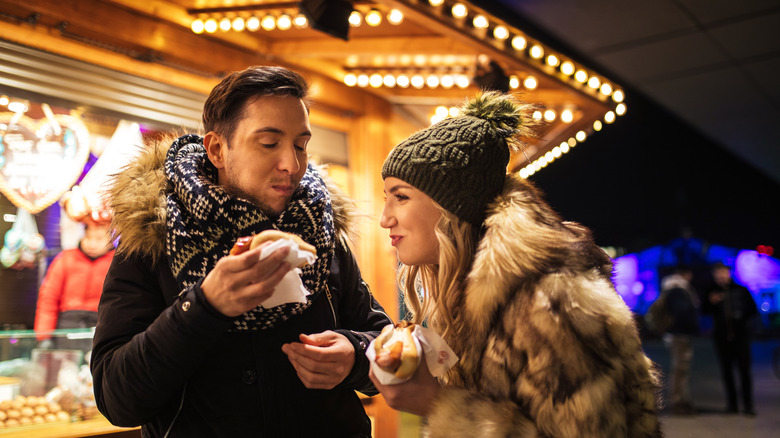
(549, 349)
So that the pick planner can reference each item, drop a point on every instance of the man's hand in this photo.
(322, 360)
(240, 283)
(717, 297)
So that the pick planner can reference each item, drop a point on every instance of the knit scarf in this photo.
(204, 222)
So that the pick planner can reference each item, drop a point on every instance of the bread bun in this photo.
(396, 351)
(244, 244)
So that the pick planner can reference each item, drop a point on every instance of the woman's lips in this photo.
(394, 240)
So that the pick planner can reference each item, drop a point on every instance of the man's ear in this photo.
(215, 146)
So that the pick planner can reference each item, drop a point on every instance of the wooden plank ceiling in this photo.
(428, 41)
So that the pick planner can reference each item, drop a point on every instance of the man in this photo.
(681, 303)
(733, 309)
(183, 346)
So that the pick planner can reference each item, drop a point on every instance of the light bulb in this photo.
(459, 10)
(480, 22)
(300, 21)
(211, 25)
(373, 18)
(567, 68)
(519, 43)
(238, 24)
(284, 22)
(197, 26)
(268, 22)
(253, 23)
(355, 19)
(395, 16)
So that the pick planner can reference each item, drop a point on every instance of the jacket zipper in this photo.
(330, 301)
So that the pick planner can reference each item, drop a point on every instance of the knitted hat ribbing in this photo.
(461, 161)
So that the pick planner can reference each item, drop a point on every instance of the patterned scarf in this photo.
(204, 223)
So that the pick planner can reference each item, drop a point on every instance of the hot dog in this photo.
(396, 351)
(244, 244)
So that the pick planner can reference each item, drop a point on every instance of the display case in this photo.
(46, 386)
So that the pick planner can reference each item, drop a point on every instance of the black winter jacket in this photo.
(164, 360)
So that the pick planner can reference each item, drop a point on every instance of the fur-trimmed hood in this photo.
(137, 199)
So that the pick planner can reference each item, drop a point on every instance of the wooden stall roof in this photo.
(143, 36)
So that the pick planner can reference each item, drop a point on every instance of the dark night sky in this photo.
(641, 180)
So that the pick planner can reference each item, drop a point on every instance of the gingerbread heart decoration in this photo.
(40, 159)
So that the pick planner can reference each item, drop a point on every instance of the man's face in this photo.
(722, 276)
(266, 157)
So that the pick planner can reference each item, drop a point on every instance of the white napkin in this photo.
(439, 357)
(290, 289)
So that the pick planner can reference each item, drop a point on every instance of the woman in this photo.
(546, 345)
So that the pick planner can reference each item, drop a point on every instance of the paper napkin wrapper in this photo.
(438, 356)
(290, 289)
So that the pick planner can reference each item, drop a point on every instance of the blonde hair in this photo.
(431, 292)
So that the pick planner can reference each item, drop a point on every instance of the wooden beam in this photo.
(334, 48)
(137, 35)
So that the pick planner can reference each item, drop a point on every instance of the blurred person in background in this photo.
(733, 310)
(70, 292)
(682, 305)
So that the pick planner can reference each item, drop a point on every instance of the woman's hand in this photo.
(415, 396)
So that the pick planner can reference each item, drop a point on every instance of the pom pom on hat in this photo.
(461, 161)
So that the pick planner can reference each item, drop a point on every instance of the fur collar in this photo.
(524, 242)
(136, 196)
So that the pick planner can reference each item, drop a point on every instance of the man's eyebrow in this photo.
(273, 130)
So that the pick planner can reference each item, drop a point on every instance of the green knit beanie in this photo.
(461, 161)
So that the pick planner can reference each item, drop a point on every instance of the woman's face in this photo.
(411, 216)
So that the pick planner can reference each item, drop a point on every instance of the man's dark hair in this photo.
(719, 265)
(224, 107)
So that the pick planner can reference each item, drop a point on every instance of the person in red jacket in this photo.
(70, 291)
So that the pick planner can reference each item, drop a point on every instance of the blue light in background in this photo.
(637, 279)
(761, 274)
(625, 274)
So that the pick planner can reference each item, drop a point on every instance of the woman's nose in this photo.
(387, 220)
